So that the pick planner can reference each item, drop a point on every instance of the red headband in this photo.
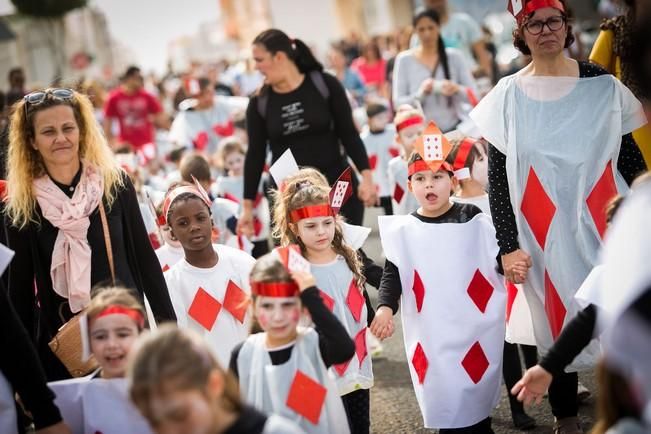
(274, 289)
(462, 155)
(174, 194)
(421, 165)
(322, 210)
(414, 120)
(134, 314)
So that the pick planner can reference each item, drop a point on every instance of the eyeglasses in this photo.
(553, 24)
(38, 97)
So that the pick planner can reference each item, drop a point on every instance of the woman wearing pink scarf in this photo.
(60, 170)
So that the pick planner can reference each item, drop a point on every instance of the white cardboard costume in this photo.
(267, 387)
(348, 304)
(98, 405)
(561, 137)
(379, 147)
(453, 304)
(169, 255)
(232, 188)
(402, 200)
(199, 297)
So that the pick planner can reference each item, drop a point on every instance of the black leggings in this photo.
(512, 369)
(562, 395)
(481, 427)
(357, 405)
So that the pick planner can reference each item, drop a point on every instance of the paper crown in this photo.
(433, 147)
(195, 189)
(412, 120)
(459, 163)
(340, 192)
(291, 258)
(520, 9)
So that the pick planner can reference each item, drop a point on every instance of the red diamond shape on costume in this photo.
(372, 161)
(420, 363)
(153, 239)
(475, 362)
(419, 291)
(360, 346)
(201, 141)
(537, 208)
(554, 307)
(236, 301)
(224, 130)
(480, 290)
(165, 268)
(340, 368)
(355, 300)
(204, 309)
(394, 152)
(229, 196)
(601, 193)
(398, 193)
(327, 300)
(257, 226)
(511, 293)
(258, 199)
(306, 397)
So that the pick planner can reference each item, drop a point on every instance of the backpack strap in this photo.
(262, 99)
(315, 76)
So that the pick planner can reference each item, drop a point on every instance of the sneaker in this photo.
(582, 394)
(523, 421)
(568, 425)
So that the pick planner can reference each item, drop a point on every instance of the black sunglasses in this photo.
(36, 98)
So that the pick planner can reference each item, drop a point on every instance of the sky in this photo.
(146, 26)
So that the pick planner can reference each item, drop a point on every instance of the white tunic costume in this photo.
(380, 149)
(213, 301)
(98, 405)
(561, 137)
(346, 300)
(453, 304)
(402, 200)
(270, 388)
(232, 188)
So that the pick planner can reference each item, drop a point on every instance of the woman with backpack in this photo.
(306, 110)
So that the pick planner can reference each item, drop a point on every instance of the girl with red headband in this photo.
(469, 160)
(209, 287)
(284, 369)
(306, 215)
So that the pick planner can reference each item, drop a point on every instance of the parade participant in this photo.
(372, 68)
(378, 138)
(210, 286)
(434, 76)
(283, 369)
(456, 371)
(409, 124)
(305, 214)
(470, 163)
(558, 179)
(205, 118)
(305, 110)
(179, 386)
(230, 186)
(133, 108)
(348, 78)
(70, 199)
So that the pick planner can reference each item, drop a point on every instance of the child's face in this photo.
(111, 339)
(191, 224)
(316, 233)
(432, 190)
(407, 136)
(379, 121)
(181, 411)
(278, 317)
(234, 163)
(479, 169)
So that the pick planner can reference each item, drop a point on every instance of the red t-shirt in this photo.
(372, 75)
(134, 114)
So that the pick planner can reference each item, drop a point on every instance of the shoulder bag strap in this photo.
(107, 239)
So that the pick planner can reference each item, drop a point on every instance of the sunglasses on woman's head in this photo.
(36, 98)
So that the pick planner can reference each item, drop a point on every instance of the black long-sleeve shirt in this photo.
(390, 288)
(630, 164)
(335, 344)
(42, 311)
(315, 129)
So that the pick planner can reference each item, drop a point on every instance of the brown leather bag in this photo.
(66, 345)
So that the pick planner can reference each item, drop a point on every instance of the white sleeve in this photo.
(633, 116)
(490, 116)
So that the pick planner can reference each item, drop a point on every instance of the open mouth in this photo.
(113, 360)
(431, 197)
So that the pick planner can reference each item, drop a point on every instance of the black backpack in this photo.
(315, 76)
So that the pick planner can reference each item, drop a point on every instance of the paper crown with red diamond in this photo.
(292, 259)
(521, 9)
(340, 192)
(433, 147)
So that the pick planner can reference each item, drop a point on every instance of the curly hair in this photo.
(24, 163)
(518, 37)
(310, 187)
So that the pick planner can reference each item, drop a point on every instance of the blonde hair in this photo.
(405, 113)
(169, 359)
(310, 187)
(226, 147)
(24, 163)
(113, 296)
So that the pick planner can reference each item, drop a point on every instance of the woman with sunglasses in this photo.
(560, 149)
(72, 218)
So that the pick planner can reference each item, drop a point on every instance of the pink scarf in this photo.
(70, 268)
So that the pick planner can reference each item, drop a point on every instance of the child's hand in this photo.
(304, 279)
(382, 325)
(533, 385)
(520, 270)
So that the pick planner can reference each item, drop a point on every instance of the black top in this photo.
(249, 421)
(136, 267)
(310, 126)
(630, 164)
(390, 288)
(20, 365)
(334, 343)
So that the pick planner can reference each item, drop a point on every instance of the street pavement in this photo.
(393, 404)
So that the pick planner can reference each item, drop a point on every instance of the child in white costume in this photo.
(409, 124)
(306, 214)
(456, 371)
(209, 288)
(283, 370)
